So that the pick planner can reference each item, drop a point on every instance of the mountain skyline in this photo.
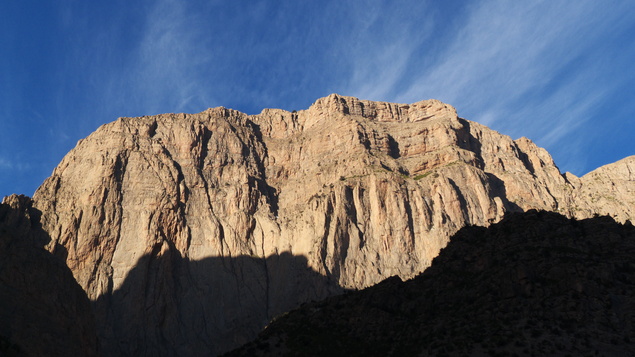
(557, 72)
(190, 232)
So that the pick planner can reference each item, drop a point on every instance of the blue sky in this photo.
(558, 72)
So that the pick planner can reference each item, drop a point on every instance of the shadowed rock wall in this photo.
(43, 311)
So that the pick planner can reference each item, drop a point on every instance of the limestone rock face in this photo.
(44, 312)
(194, 230)
(609, 190)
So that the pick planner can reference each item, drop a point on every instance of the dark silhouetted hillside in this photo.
(535, 284)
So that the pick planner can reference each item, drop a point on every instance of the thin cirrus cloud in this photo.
(381, 51)
(532, 68)
(157, 74)
(524, 68)
(145, 60)
(169, 59)
(494, 60)
(12, 165)
(5, 164)
(558, 72)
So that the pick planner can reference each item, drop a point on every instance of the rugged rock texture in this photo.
(165, 214)
(609, 190)
(535, 284)
(43, 311)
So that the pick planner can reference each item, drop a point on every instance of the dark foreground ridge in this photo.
(535, 284)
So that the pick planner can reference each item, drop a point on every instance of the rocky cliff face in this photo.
(609, 190)
(190, 231)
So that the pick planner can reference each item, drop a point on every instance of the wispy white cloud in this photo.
(162, 69)
(525, 68)
(528, 68)
(378, 68)
(8, 165)
(5, 164)
(383, 47)
(144, 60)
(504, 50)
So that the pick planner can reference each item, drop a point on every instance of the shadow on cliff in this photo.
(42, 308)
(469, 142)
(535, 284)
(169, 305)
(270, 192)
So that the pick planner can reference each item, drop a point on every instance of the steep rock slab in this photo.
(351, 191)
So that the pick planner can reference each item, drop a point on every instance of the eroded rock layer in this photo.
(199, 228)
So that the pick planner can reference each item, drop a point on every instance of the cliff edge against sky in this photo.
(189, 232)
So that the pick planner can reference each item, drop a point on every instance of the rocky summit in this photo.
(190, 232)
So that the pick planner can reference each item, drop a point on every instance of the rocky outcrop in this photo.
(44, 312)
(350, 191)
(535, 284)
(609, 190)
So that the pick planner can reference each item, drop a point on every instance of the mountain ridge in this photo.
(362, 190)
